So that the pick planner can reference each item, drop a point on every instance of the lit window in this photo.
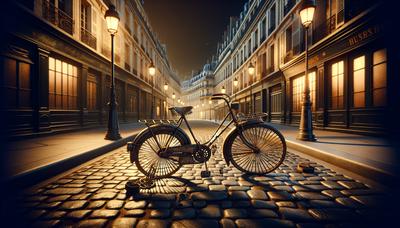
(379, 76)
(92, 93)
(337, 74)
(63, 78)
(298, 91)
(359, 82)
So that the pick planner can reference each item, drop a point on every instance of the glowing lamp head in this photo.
(173, 96)
(210, 101)
(152, 69)
(223, 90)
(179, 100)
(166, 86)
(307, 10)
(235, 82)
(112, 20)
(251, 69)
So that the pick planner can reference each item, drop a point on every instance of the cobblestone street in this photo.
(94, 196)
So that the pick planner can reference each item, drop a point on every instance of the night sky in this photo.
(191, 29)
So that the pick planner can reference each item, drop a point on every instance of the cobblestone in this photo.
(95, 196)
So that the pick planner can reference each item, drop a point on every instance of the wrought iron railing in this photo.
(88, 38)
(57, 17)
(288, 7)
(328, 26)
(289, 56)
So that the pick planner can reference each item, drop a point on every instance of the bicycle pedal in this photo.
(205, 173)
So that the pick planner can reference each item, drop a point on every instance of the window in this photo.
(298, 91)
(16, 83)
(92, 92)
(63, 79)
(276, 99)
(335, 13)
(336, 96)
(359, 82)
(127, 57)
(379, 76)
(272, 17)
(85, 15)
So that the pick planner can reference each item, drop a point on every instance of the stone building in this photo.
(55, 65)
(347, 63)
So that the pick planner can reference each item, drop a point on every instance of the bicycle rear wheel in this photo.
(269, 141)
(149, 162)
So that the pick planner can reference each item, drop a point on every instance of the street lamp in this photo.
(223, 90)
(210, 102)
(166, 86)
(307, 10)
(251, 70)
(112, 20)
(152, 72)
(173, 99)
(235, 84)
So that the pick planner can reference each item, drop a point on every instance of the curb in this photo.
(364, 170)
(37, 175)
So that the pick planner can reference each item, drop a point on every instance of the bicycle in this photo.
(252, 146)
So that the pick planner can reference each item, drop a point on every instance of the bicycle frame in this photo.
(216, 134)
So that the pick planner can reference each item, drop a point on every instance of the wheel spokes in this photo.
(270, 150)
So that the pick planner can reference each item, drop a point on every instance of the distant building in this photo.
(55, 66)
(347, 63)
(197, 91)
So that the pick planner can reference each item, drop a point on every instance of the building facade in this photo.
(55, 66)
(197, 92)
(347, 63)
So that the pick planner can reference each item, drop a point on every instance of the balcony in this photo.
(289, 56)
(127, 67)
(57, 17)
(271, 29)
(328, 26)
(288, 7)
(88, 38)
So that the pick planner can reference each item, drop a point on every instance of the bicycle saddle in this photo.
(182, 110)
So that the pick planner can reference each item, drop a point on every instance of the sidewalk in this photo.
(371, 157)
(39, 157)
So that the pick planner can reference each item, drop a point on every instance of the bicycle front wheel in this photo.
(148, 161)
(269, 156)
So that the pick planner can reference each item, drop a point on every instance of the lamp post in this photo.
(152, 72)
(306, 128)
(112, 20)
(251, 70)
(210, 102)
(173, 99)
(235, 84)
(165, 103)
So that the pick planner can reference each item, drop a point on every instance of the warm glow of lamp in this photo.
(179, 100)
(223, 90)
(112, 19)
(307, 10)
(235, 82)
(152, 69)
(210, 101)
(251, 69)
(166, 86)
(202, 104)
(173, 96)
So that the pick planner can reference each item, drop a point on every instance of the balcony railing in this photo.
(289, 56)
(288, 6)
(57, 17)
(88, 38)
(328, 26)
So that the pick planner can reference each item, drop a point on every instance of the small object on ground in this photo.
(205, 173)
(132, 187)
(305, 167)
